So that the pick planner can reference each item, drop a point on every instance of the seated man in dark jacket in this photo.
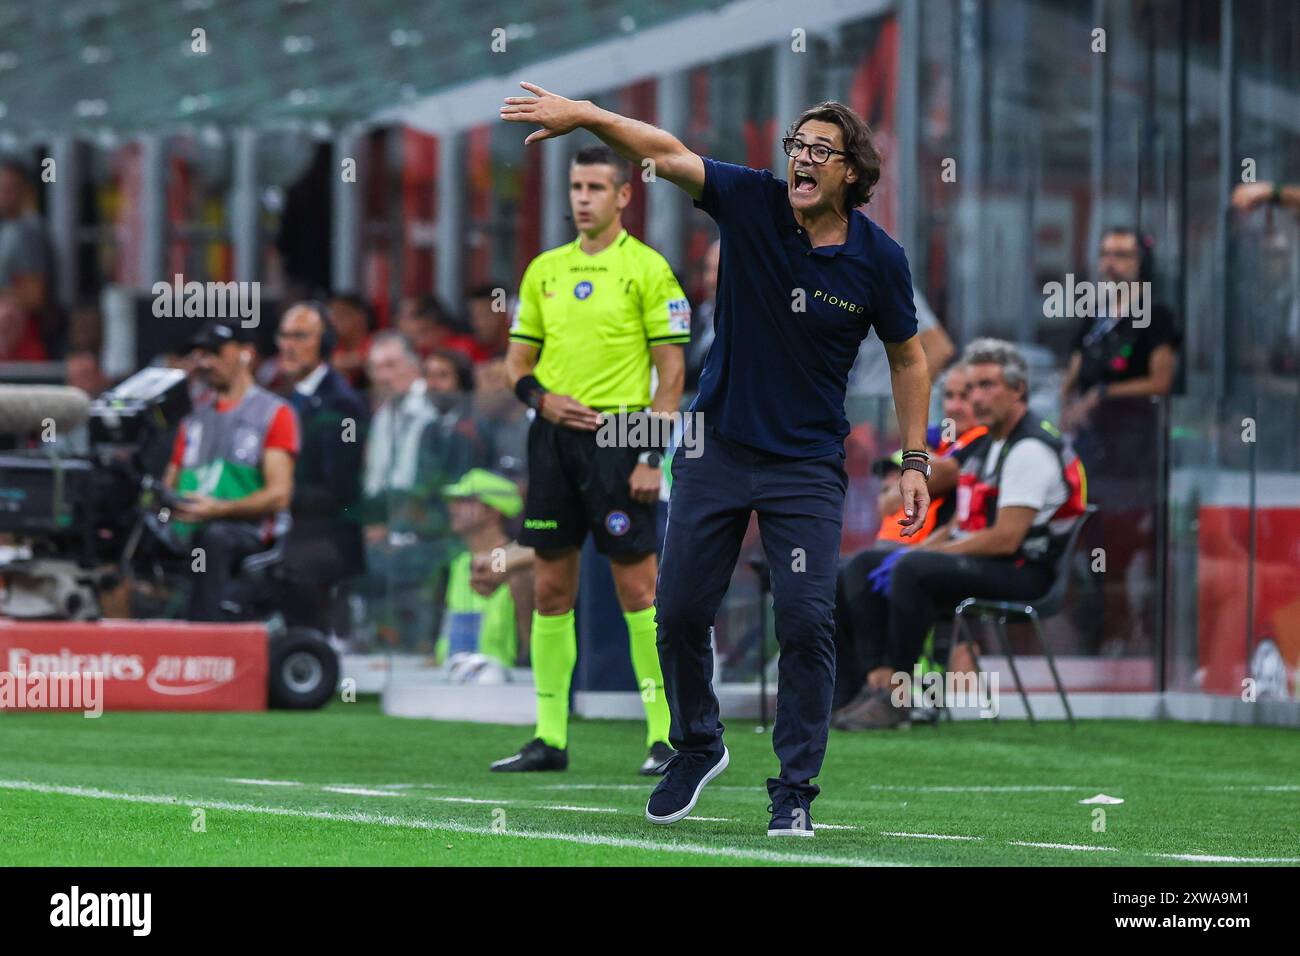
(324, 545)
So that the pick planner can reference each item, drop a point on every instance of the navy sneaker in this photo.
(790, 817)
(684, 778)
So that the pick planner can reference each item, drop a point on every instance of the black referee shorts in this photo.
(576, 486)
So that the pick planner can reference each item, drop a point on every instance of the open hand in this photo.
(555, 114)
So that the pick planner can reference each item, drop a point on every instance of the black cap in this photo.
(213, 335)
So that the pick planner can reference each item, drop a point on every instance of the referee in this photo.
(594, 316)
(802, 279)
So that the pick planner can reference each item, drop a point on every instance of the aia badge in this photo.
(679, 316)
(582, 290)
(617, 523)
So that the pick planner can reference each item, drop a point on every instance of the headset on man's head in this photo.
(329, 339)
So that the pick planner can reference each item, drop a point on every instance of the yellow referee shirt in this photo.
(595, 318)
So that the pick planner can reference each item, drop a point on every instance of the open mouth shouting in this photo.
(805, 183)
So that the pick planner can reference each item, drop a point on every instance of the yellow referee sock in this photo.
(642, 630)
(554, 653)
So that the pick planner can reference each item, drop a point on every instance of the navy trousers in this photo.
(800, 504)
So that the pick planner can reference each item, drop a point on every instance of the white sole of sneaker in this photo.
(685, 811)
(792, 833)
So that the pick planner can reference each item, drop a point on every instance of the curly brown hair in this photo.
(862, 154)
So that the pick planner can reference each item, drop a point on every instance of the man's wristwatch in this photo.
(917, 464)
(652, 458)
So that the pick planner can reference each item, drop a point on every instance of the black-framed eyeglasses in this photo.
(818, 153)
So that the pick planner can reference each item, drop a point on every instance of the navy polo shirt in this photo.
(776, 373)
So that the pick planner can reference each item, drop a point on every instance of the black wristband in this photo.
(529, 391)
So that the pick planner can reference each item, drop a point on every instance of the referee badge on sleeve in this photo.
(679, 315)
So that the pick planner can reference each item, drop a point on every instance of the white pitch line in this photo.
(1269, 788)
(579, 838)
(586, 839)
(1208, 858)
(899, 788)
(362, 791)
(929, 836)
(833, 826)
(1063, 846)
(978, 789)
(580, 809)
(263, 783)
(643, 787)
(486, 803)
(711, 819)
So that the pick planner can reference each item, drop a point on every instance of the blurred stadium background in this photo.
(231, 165)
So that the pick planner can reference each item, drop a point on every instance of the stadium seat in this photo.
(1048, 605)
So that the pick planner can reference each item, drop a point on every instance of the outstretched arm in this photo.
(630, 138)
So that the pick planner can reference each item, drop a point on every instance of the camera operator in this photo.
(324, 545)
(233, 466)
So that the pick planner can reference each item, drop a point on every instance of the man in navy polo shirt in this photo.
(802, 278)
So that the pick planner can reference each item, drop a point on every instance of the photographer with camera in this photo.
(232, 465)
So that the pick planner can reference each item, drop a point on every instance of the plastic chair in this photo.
(1049, 605)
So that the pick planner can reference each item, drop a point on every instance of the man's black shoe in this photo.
(684, 778)
(790, 817)
(535, 755)
(655, 761)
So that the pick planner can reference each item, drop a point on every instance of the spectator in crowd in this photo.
(233, 465)
(950, 444)
(353, 322)
(427, 325)
(26, 260)
(1019, 491)
(449, 372)
(449, 376)
(83, 372)
(489, 585)
(408, 459)
(1118, 364)
(702, 330)
(501, 421)
(19, 339)
(85, 328)
(324, 546)
(1119, 356)
(489, 322)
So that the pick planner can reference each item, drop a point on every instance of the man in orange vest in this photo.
(950, 442)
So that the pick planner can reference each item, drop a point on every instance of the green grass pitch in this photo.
(350, 786)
